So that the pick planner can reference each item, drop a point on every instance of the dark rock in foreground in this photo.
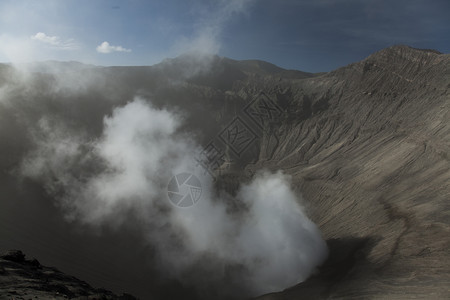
(22, 278)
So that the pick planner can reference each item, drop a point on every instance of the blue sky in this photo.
(310, 35)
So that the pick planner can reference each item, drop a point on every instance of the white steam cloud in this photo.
(199, 48)
(267, 246)
(206, 39)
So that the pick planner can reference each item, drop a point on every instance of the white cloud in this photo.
(105, 47)
(55, 41)
(40, 36)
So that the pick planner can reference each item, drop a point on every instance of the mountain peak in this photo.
(405, 48)
(404, 52)
(407, 60)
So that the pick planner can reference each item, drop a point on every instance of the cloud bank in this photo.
(106, 48)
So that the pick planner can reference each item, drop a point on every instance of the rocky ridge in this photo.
(22, 278)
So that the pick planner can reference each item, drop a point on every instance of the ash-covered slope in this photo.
(369, 146)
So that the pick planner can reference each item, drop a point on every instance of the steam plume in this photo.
(268, 246)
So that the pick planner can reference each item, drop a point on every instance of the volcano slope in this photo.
(367, 145)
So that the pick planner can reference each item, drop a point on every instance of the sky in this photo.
(308, 35)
